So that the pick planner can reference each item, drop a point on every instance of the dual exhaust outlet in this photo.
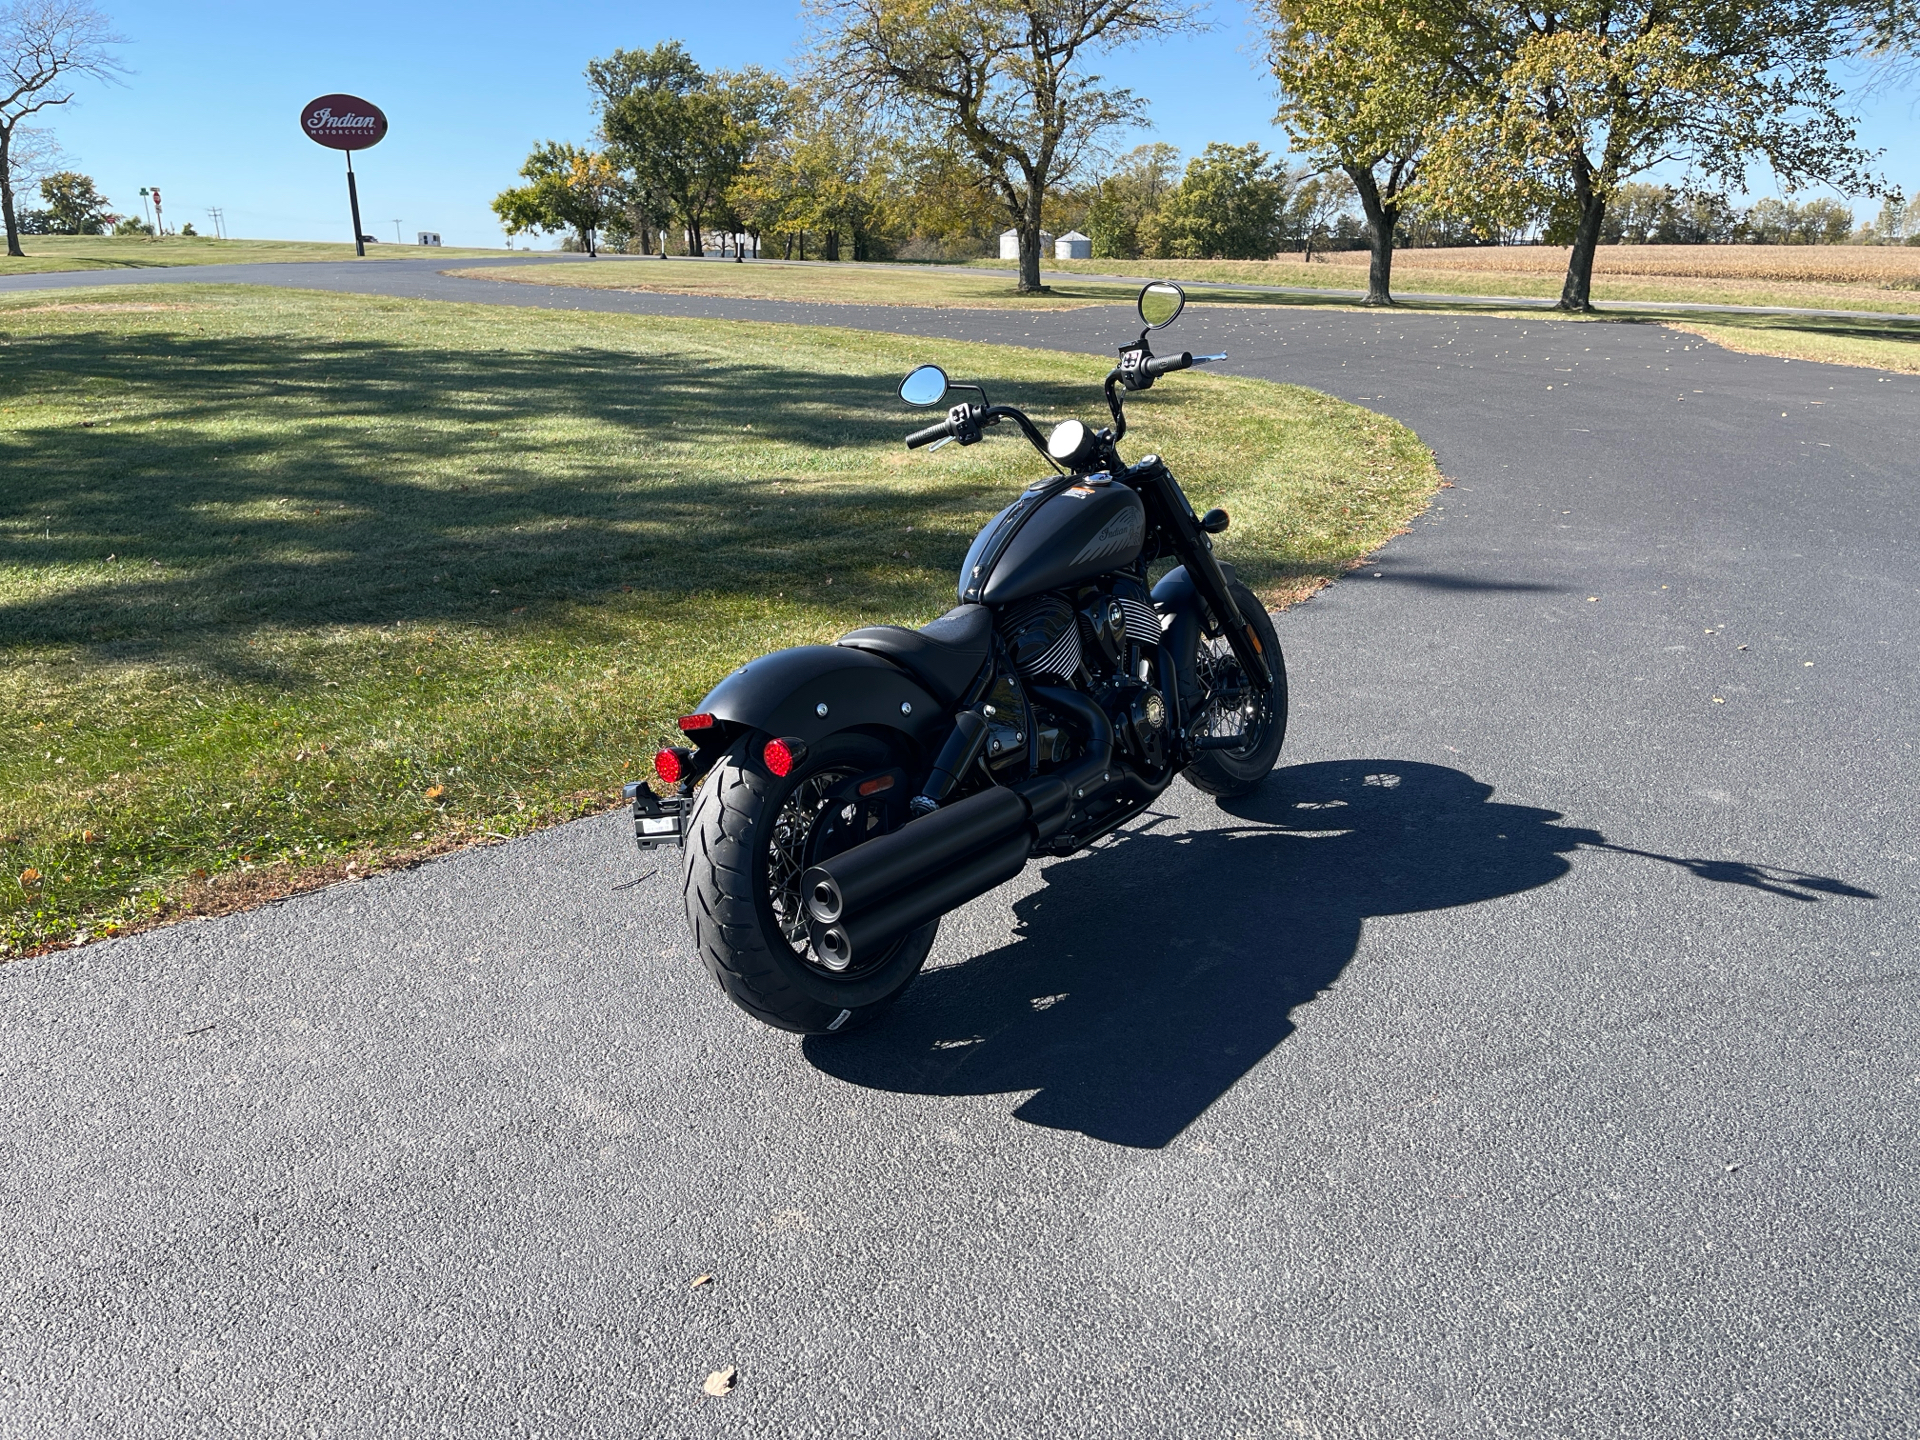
(863, 900)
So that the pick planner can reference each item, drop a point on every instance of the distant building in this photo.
(429, 237)
(1073, 246)
(1010, 244)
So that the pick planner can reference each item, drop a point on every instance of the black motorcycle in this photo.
(835, 800)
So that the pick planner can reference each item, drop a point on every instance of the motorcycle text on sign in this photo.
(345, 122)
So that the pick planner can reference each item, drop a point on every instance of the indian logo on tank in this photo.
(1119, 536)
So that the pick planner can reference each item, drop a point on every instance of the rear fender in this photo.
(813, 691)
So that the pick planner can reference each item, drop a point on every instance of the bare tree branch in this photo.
(45, 45)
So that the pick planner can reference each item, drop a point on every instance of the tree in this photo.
(829, 174)
(999, 80)
(1319, 202)
(1363, 85)
(680, 135)
(1580, 96)
(1230, 205)
(1785, 222)
(44, 46)
(569, 189)
(74, 207)
(1124, 202)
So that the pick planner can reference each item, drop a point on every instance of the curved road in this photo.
(1535, 1055)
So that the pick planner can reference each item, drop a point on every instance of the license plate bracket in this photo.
(658, 820)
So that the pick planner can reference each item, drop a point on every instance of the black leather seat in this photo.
(944, 656)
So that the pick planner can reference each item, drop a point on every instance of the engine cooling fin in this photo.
(1043, 637)
(1141, 619)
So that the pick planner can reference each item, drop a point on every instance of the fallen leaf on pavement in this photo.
(700, 1280)
(721, 1381)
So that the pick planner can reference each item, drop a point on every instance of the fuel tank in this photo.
(1061, 530)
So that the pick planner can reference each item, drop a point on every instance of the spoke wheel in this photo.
(751, 835)
(792, 846)
(1231, 708)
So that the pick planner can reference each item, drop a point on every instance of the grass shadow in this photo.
(388, 486)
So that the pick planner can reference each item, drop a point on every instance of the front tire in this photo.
(746, 844)
(1263, 719)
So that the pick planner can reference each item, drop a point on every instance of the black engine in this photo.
(1103, 640)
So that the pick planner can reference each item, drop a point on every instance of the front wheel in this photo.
(1232, 708)
(750, 837)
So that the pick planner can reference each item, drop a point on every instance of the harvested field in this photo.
(1893, 267)
(1868, 278)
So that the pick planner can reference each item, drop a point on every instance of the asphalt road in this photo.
(1534, 1055)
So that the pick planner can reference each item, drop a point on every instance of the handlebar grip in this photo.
(1164, 363)
(941, 430)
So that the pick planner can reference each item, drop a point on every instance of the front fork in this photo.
(1194, 549)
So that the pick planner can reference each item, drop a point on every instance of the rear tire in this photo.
(729, 885)
(1227, 773)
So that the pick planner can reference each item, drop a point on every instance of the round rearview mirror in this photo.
(1161, 304)
(925, 386)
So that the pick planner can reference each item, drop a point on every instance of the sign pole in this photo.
(353, 199)
(340, 122)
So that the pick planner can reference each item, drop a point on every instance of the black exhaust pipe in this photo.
(865, 932)
(860, 878)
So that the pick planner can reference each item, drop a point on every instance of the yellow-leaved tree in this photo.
(1574, 98)
(1364, 86)
(1000, 82)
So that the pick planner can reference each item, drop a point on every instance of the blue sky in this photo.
(210, 114)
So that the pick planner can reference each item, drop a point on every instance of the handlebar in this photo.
(966, 428)
(1164, 364)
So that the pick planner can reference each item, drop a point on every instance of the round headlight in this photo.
(1069, 441)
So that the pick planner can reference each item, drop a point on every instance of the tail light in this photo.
(782, 756)
(672, 764)
(691, 723)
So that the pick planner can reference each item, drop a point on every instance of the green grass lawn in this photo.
(1879, 344)
(113, 252)
(292, 580)
(939, 287)
(1868, 339)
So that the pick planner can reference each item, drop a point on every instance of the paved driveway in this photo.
(1534, 1055)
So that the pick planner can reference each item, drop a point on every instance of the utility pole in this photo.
(396, 232)
(219, 218)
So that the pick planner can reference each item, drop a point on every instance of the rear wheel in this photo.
(1233, 708)
(750, 837)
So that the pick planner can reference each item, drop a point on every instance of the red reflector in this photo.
(696, 722)
(778, 757)
(876, 785)
(667, 765)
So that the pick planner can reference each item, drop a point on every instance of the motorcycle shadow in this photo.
(1147, 978)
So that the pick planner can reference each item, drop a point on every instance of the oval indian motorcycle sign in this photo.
(343, 122)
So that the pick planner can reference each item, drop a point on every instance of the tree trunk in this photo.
(1577, 293)
(1382, 218)
(6, 194)
(1030, 245)
(832, 243)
